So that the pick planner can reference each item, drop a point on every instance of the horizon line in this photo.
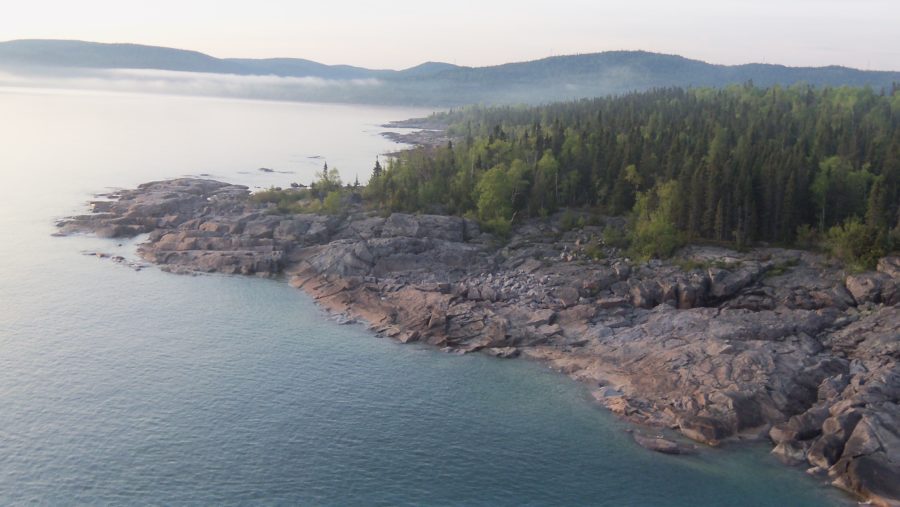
(538, 59)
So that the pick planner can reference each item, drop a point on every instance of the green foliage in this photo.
(632, 176)
(568, 221)
(594, 250)
(286, 201)
(291, 201)
(745, 164)
(807, 237)
(857, 244)
(655, 234)
(332, 202)
(782, 268)
(616, 237)
(839, 190)
(329, 180)
(494, 191)
(686, 264)
(499, 226)
(655, 238)
(271, 194)
(545, 192)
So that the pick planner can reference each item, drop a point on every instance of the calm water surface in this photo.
(125, 387)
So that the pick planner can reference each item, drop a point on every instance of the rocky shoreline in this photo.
(421, 132)
(771, 344)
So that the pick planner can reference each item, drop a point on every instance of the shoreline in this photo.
(420, 132)
(773, 343)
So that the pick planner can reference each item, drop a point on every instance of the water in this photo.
(125, 387)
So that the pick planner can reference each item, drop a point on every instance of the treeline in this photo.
(740, 165)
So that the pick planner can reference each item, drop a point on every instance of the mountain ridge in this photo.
(562, 77)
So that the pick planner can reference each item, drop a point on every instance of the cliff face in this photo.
(773, 343)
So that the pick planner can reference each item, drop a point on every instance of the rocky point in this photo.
(771, 344)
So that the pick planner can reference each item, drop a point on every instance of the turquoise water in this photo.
(126, 387)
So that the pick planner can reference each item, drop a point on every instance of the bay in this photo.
(139, 387)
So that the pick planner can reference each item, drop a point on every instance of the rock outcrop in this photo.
(773, 343)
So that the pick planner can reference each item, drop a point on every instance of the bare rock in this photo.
(645, 294)
(874, 337)
(503, 352)
(890, 266)
(692, 291)
(803, 354)
(446, 228)
(869, 464)
(612, 302)
(871, 477)
(661, 445)
(568, 296)
(597, 282)
(724, 284)
(870, 287)
(707, 430)
(835, 432)
(542, 317)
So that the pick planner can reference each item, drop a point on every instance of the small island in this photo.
(766, 344)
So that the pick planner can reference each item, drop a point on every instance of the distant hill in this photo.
(431, 83)
(430, 68)
(66, 53)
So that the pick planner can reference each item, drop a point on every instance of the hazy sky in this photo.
(399, 34)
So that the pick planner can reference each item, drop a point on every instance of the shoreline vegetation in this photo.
(573, 234)
(741, 166)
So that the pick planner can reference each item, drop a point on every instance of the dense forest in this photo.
(742, 165)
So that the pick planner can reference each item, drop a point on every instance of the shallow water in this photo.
(126, 387)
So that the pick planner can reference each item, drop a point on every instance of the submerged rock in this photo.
(661, 445)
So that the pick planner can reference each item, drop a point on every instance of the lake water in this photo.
(126, 387)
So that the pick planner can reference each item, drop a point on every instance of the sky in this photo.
(398, 34)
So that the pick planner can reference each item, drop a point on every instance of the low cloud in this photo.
(189, 83)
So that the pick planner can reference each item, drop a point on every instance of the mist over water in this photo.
(203, 84)
(126, 387)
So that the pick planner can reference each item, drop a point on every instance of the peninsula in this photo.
(769, 344)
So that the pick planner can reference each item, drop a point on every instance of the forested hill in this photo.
(96, 55)
(432, 83)
(738, 165)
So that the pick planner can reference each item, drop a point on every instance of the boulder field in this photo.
(772, 344)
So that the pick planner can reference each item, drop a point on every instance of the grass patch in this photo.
(782, 268)
(594, 250)
(703, 265)
(296, 201)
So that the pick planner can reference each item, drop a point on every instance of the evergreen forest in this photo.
(741, 165)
